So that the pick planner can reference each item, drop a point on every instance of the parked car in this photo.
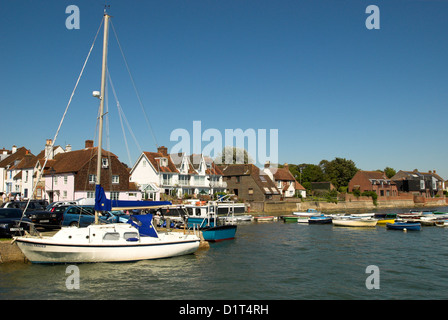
(12, 223)
(60, 203)
(83, 216)
(48, 219)
(33, 205)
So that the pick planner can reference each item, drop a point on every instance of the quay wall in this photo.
(351, 203)
(10, 252)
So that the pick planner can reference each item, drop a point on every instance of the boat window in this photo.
(111, 236)
(129, 235)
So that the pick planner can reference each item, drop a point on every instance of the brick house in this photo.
(373, 181)
(249, 183)
(72, 175)
(426, 184)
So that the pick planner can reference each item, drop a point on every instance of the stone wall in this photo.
(10, 252)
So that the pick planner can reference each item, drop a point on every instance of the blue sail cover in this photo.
(104, 204)
(144, 225)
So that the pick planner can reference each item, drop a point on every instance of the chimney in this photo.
(163, 150)
(286, 166)
(267, 164)
(89, 144)
(68, 148)
(14, 149)
(49, 149)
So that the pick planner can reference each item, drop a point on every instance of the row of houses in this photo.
(426, 184)
(71, 174)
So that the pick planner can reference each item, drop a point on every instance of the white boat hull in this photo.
(56, 249)
(355, 222)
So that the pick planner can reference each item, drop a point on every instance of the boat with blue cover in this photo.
(322, 219)
(117, 242)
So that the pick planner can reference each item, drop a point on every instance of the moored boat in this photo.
(404, 226)
(290, 218)
(353, 222)
(264, 218)
(322, 219)
(219, 233)
(308, 212)
(441, 223)
(117, 242)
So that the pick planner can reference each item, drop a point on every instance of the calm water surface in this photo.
(270, 261)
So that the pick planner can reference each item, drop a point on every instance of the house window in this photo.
(64, 194)
(251, 191)
(144, 163)
(55, 180)
(163, 162)
(166, 179)
(92, 178)
(105, 162)
(65, 179)
(114, 195)
(90, 194)
(183, 180)
(115, 179)
(26, 176)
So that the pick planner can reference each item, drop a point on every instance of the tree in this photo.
(338, 171)
(389, 172)
(233, 155)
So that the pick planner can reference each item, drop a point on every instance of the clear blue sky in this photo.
(309, 68)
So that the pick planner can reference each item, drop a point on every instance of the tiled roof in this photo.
(154, 159)
(18, 155)
(73, 161)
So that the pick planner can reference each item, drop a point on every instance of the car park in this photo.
(12, 223)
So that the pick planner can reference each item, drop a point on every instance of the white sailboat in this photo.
(119, 242)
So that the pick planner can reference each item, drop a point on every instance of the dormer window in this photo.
(163, 162)
(105, 163)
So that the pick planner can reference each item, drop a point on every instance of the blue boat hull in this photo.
(219, 233)
(199, 222)
(404, 225)
(319, 221)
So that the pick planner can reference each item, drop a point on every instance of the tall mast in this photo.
(102, 98)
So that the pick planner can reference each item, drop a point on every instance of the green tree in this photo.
(338, 171)
(306, 173)
(233, 155)
(390, 172)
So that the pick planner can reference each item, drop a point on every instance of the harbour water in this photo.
(267, 261)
